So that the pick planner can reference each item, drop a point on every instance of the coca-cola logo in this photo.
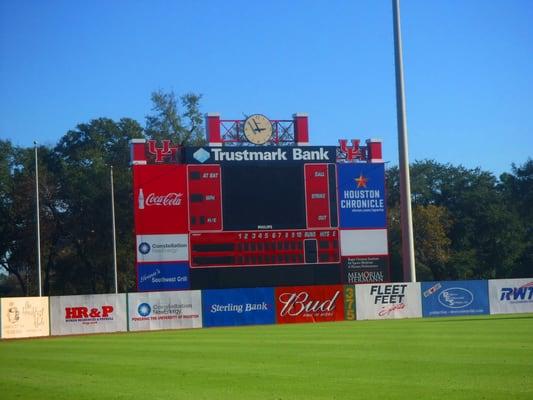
(167, 200)
(296, 304)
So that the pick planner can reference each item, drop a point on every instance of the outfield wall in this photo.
(25, 317)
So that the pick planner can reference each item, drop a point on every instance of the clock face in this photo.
(257, 129)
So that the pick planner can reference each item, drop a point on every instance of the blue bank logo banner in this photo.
(163, 276)
(441, 299)
(362, 195)
(227, 307)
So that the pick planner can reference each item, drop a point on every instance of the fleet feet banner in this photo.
(165, 310)
(163, 276)
(388, 301)
(226, 307)
(24, 317)
(509, 296)
(71, 315)
(309, 304)
(446, 299)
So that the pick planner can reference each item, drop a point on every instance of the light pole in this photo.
(38, 218)
(408, 249)
(114, 230)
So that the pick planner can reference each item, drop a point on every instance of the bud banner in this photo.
(309, 304)
(165, 310)
(509, 296)
(388, 301)
(453, 298)
(88, 314)
(226, 307)
(24, 317)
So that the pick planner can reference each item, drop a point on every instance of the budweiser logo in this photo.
(170, 199)
(295, 304)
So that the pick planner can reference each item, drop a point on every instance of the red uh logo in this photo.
(352, 153)
(162, 152)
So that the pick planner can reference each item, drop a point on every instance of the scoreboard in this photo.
(261, 216)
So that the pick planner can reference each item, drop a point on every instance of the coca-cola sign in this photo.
(160, 195)
(310, 304)
(169, 199)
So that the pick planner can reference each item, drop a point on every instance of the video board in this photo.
(228, 217)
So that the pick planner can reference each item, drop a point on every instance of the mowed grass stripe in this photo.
(455, 358)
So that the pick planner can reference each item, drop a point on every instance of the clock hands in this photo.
(257, 128)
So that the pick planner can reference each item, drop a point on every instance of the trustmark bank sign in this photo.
(259, 207)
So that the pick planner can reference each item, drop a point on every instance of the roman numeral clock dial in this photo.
(257, 129)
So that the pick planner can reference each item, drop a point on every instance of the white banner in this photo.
(24, 317)
(70, 315)
(388, 301)
(165, 310)
(362, 242)
(157, 248)
(509, 296)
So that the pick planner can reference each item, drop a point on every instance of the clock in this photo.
(257, 129)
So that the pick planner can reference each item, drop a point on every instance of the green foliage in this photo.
(75, 202)
(466, 224)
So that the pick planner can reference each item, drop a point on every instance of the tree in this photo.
(166, 122)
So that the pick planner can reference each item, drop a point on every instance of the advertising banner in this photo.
(71, 315)
(160, 199)
(388, 301)
(509, 296)
(365, 269)
(226, 307)
(24, 317)
(165, 310)
(160, 248)
(309, 304)
(453, 298)
(163, 276)
(364, 242)
(271, 154)
(361, 195)
(349, 303)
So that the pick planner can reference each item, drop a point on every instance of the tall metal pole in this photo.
(408, 249)
(114, 231)
(38, 218)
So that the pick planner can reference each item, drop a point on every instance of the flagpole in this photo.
(114, 230)
(408, 249)
(38, 218)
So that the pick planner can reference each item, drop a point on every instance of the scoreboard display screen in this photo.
(254, 217)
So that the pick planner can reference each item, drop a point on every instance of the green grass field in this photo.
(441, 358)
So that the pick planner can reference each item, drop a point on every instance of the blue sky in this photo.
(468, 69)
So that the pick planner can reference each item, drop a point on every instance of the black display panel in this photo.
(263, 197)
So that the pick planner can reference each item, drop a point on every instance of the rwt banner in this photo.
(443, 299)
(88, 314)
(24, 317)
(165, 310)
(309, 304)
(163, 276)
(226, 307)
(361, 195)
(453, 298)
(388, 301)
(509, 296)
